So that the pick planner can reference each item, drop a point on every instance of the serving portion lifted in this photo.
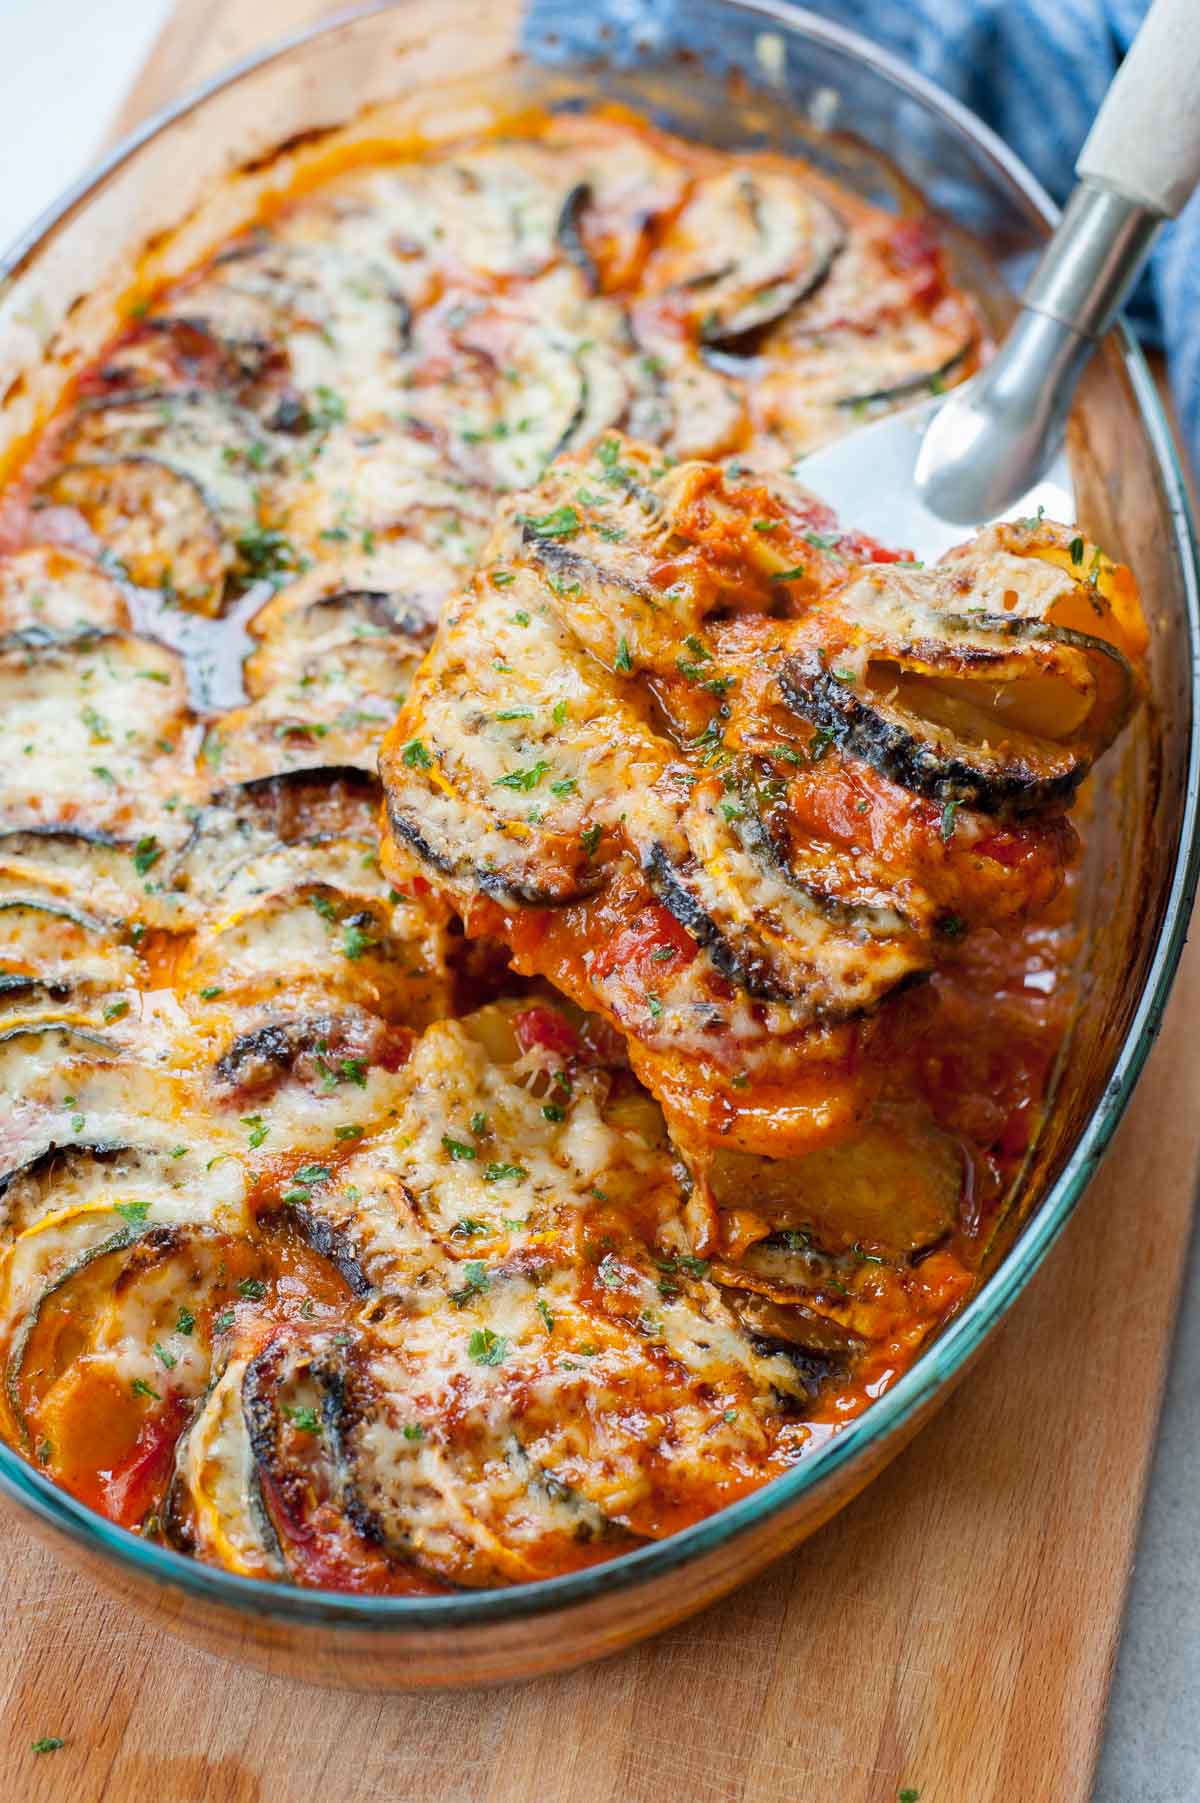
(737, 779)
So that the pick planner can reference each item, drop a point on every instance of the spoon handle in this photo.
(1145, 140)
(995, 438)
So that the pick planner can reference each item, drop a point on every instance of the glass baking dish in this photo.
(729, 72)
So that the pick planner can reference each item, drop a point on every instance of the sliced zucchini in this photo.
(747, 246)
(89, 732)
(89, 871)
(64, 1177)
(115, 1302)
(214, 1506)
(510, 750)
(298, 645)
(49, 594)
(896, 1186)
(57, 943)
(780, 937)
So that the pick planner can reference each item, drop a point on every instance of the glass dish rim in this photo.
(22, 1484)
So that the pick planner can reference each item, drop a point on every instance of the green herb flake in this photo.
(168, 1359)
(543, 1309)
(140, 1387)
(186, 1321)
(252, 1288)
(49, 1743)
(504, 1173)
(523, 780)
(304, 1420)
(146, 853)
(456, 1148)
(416, 756)
(412, 1430)
(562, 523)
(355, 940)
(1076, 550)
(487, 1348)
(948, 815)
(133, 1212)
(116, 1011)
(623, 661)
(258, 1130)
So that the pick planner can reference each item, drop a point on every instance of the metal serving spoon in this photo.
(993, 447)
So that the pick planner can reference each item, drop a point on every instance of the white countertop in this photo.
(64, 68)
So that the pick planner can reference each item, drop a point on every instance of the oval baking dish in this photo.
(732, 72)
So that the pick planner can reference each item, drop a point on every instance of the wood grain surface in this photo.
(950, 1633)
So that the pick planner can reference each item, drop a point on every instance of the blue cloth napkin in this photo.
(1034, 70)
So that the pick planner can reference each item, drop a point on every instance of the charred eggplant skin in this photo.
(1006, 789)
(671, 889)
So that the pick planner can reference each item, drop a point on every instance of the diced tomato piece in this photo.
(546, 1030)
(640, 949)
(127, 1492)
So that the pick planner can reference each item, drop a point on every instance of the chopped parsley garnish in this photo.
(133, 1212)
(589, 838)
(412, 1430)
(553, 1112)
(1076, 550)
(502, 578)
(355, 941)
(948, 814)
(565, 786)
(792, 575)
(516, 713)
(258, 1130)
(486, 1347)
(562, 523)
(168, 1358)
(49, 1743)
(224, 1321)
(623, 661)
(252, 1288)
(211, 992)
(655, 1006)
(457, 1149)
(543, 1309)
(524, 780)
(146, 853)
(186, 1321)
(415, 755)
(116, 1010)
(504, 1173)
(304, 1420)
(350, 1131)
(477, 1281)
(140, 1387)
(466, 1228)
(324, 907)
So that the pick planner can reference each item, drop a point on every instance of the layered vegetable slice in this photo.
(764, 848)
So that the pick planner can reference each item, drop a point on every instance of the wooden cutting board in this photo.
(951, 1633)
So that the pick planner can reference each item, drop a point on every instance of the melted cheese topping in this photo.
(333, 1250)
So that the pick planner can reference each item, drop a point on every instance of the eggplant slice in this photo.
(998, 710)
(747, 247)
